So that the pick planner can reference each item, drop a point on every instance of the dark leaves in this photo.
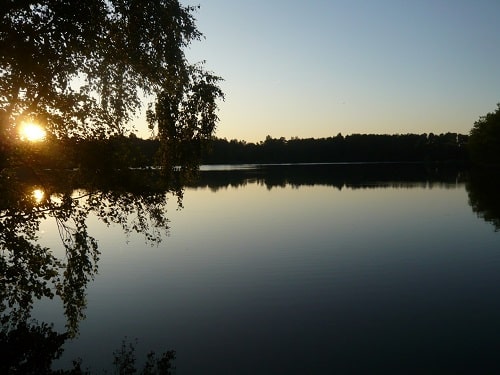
(83, 67)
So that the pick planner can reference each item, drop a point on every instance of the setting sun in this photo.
(38, 195)
(32, 132)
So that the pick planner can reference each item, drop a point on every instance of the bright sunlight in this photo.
(38, 195)
(32, 132)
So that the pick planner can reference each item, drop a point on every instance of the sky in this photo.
(317, 68)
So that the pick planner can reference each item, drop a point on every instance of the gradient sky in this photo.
(319, 67)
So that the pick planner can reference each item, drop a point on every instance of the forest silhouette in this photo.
(350, 148)
(122, 152)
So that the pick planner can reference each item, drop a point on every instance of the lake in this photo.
(300, 269)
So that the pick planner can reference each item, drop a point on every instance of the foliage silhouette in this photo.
(29, 348)
(82, 71)
(125, 361)
(484, 139)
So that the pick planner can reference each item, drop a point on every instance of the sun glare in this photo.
(32, 132)
(38, 195)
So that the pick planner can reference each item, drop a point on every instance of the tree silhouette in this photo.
(484, 140)
(82, 68)
(352, 148)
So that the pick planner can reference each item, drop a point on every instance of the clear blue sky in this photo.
(319, 67)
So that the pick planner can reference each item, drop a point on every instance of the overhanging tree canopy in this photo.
(82, 67)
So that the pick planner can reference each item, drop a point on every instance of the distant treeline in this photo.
(131, 151)
(350, 148)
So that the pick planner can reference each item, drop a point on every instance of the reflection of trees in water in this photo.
(29, 348)
(482, 188)
(135, 201)
(29, 271)
(353, 176)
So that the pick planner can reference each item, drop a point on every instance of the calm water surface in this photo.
(264, 278)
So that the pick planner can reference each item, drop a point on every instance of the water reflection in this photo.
(338, 175)
(483, 188)
(30, 272)
(136, 201)
(29, 347)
